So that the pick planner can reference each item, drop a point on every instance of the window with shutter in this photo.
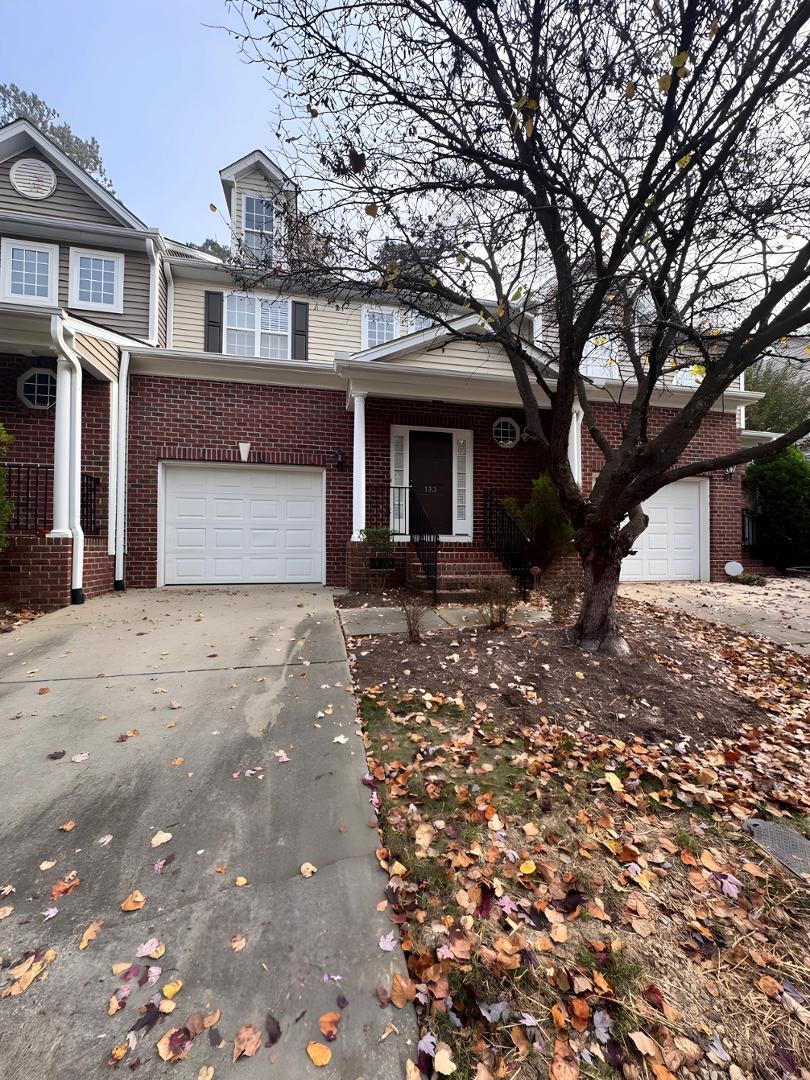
(257, 327)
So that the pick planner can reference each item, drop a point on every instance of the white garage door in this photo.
(237, 524)
(669, 548)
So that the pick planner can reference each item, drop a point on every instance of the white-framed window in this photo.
(36, 388)
(418, 322)
(380, 324)
(599, 358)
(29, 272)
(506, 432)
(256, 326)
(257, 226)
(688, 376)
(96, 280)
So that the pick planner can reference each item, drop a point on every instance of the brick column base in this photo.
(35, 571)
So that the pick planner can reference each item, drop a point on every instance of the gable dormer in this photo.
(38, 179)
(257, 193)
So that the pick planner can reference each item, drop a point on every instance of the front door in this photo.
(431, 476)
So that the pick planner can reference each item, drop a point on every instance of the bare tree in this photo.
(634, 172)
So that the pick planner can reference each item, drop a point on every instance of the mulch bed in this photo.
(667, 689)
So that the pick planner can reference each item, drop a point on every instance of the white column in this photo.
(575, 445)
(61, 452)
(359, 467)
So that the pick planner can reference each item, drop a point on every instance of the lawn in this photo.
(569, 870)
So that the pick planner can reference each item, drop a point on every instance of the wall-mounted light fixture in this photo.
(244, 450)
(729, 472)
(339, 460)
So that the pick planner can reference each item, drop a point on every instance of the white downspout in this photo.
(121, 480)
(153, 291)
(169, 305)
(67, 353)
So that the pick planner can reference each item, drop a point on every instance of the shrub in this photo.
(779, 488)
(544, 522)
(379, 545)
(414, 608)
(6, 506)
(751, 579)
(495, 598)
(561, 592)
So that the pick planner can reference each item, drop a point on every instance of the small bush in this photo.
(779, 488)
(561, 592)
(544, 522)
(6, 507)
(495, 598)
(751, 579)
(379, 546)
(414, 608)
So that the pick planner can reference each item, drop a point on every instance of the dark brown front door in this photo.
(431, 472)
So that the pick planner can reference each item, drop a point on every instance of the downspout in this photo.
(121, 482)
(153, 291)
(169, 304)
(67, 353)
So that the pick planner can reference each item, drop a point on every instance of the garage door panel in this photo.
(216, 525)
(669, 548)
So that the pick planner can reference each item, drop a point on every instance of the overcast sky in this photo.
(165, 93)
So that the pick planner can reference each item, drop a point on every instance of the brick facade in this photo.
(179, 420)
(719, 434)
(36, 570)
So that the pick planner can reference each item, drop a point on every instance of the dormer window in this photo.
(257, 226)
(28, 272)
(96, 280)
(379, 326)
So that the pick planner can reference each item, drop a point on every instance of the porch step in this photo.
(458, 570)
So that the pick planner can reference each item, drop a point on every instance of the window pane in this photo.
(240, 343)
(240, 312)
(39, 389)
(29, 272)
(258, 214)
(380, 327)
(96, 280)
(274, 346)
(275, 316)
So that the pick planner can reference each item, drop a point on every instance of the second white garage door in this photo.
(669, 549)
(235, 524)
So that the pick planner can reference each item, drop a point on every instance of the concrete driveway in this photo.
(258, 675)
(779, 611)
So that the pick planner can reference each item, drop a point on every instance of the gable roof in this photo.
(19, 135)
(257, 159)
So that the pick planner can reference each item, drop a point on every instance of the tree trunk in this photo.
(596, 630)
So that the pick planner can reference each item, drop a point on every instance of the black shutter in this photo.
(300, 330)
(213, 321)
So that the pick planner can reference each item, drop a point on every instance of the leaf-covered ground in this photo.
(569, 870)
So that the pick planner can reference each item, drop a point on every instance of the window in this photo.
(379, 325)
(96, 280)
(257, 226)
(37, 388)
(506, 432)
(29, 272)
(418, 322)
(257, 327)
(688, 376)
(598, 359)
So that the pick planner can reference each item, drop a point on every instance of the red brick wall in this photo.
(174, 419)
(98, 567)
(719, 434)
(505, 472)
(35, 572)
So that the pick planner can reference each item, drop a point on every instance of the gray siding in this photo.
(67, 201)
(103, 353)
(134, 320)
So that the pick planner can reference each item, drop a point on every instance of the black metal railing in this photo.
(425, 540)
(388, 507)
(504, 536)
(30, 489)
(750, 530)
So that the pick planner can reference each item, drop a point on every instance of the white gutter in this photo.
(66, 352)
(154, 270)
(169, 303)
(121, 479)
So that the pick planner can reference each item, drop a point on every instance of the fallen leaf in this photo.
(238, 942)
(80, 757)
(402, 991)
(171, 989)
(49, 913)
(174, 1045)
(769, 986)
(388, 941)
(319, 1054)
(443, 1062)
(90, 934)
(240, 881)
(246, 1042)
(328, 1023)
(177, 761)
(307, 869)
(206, 1073)
(67, 826)
(134, 902)
(64, 887)
(148, 947)
(47, 864)
(6, 911)
(160, 838)
(273, 1030)
(643, 1043)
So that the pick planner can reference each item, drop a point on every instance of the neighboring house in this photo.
(170, 430)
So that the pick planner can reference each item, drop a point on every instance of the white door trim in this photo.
(161, 502)
(458, 537)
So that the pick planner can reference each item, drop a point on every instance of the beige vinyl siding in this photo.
(188, 330)
(253, 183)
(103, 353)
(459, 357)
(162, 290)
(134, 320)
(67, 201)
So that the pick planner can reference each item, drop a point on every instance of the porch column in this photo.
(359, 467)
(61, 452)
(575, 445)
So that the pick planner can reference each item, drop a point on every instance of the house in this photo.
(171, 430)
